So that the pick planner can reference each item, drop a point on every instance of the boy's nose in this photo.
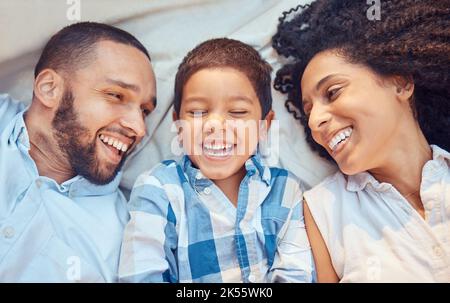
(214, 123)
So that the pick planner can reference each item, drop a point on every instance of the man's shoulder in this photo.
(9, 108)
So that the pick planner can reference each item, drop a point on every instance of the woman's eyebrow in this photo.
(325, 79)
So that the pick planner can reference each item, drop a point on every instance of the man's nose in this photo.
(134, 121)
(319, 116)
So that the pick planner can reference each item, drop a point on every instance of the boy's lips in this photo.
(218, 151)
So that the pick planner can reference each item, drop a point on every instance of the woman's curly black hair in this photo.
(412, 40)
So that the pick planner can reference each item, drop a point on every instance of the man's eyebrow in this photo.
(325, 79)
(124, 85)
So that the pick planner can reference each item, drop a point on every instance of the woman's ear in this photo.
(48, 88)
(404, 88)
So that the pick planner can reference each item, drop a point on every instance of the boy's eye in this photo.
(197, 113)
(238, 112)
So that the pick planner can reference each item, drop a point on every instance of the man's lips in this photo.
(115, 146)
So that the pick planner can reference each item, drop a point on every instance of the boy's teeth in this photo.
(120, 146)
(339, 137)
(218, 149)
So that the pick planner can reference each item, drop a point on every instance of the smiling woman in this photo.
(374, 97)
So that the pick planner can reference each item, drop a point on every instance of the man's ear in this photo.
(48, 88)
(404, 88)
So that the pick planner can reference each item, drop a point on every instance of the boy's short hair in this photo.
(224, 52)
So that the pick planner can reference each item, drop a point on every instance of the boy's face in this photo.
(220, 116)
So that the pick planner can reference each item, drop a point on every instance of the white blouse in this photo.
(374, 235)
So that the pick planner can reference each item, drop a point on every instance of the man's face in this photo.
(101, 115)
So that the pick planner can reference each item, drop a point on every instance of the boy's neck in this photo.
(230, 186)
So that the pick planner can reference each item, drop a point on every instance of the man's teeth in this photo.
(120, 146)
(340, 137)
(217, 149)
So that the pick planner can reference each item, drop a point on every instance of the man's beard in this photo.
(69, 133)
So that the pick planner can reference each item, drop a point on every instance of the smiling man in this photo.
(61, 212)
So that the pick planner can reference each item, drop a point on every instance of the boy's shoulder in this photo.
(285, 176)
(165, 172)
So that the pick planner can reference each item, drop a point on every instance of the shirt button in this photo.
(38, 183)
(199, 176)
(8, 232)
(207, 191)
(437, 251)
(251, 278)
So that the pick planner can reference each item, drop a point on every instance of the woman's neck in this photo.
(403, 167)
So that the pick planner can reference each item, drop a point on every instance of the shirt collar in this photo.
(359, 181)
(19, 130)
(76, 186)
(253, 166)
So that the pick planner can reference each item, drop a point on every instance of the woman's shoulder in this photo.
(335, 183)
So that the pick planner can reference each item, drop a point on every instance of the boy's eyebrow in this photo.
(242, 98)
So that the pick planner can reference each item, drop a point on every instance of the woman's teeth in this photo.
(340, 137)
(217, 150)
(120, 146)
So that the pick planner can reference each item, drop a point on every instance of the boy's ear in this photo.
(174, 116)
(269, 117)
(48, 88)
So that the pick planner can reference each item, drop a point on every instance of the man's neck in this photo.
(45, 152)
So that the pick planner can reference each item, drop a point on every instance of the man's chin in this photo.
(104, 175)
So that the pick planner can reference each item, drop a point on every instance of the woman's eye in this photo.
(332, 93)
(307, 107)
(145, 112)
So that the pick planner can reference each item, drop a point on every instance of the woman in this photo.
(374, 97)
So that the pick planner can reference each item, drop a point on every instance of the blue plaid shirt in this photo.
(184, 229)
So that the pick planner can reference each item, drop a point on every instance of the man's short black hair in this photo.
(224, 52)
(73, 46)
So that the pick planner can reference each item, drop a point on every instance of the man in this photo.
(61, 212)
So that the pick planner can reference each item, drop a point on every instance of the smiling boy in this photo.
(219, 214)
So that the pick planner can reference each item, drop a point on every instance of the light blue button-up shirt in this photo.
(184, 229)
(49, 232)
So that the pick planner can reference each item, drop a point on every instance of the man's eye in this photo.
(116, 96)
(146, 112)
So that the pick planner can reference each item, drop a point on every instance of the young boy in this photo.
(219, 214)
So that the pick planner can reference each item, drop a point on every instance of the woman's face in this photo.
(353, 113)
